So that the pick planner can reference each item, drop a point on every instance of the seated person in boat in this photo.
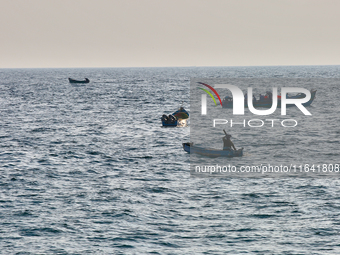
(268, 96)
(227, 143)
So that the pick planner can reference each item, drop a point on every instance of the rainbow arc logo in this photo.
(209, 93)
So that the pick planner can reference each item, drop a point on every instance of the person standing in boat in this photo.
(268, 96)
(227, 143)
(254, 98)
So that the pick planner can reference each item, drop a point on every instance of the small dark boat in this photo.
(178, 118)
(77, 81)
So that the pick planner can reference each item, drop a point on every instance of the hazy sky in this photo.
(133, 33)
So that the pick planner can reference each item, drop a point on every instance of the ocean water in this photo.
(88, 169)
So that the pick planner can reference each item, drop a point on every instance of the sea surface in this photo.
(88, 169)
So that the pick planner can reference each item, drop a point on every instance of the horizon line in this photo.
(126, 67)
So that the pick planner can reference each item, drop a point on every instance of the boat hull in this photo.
(212, 152)
(173, 124)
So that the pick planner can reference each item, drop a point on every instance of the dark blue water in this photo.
(88, 169)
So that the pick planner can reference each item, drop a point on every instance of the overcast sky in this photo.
(145, 33)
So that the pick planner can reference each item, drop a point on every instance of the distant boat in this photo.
(190, 148)
(77, 81)
(266, 101)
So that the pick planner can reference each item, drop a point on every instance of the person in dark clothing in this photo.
(227, 143)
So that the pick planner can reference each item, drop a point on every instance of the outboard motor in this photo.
(171, 118)
(164, 118)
